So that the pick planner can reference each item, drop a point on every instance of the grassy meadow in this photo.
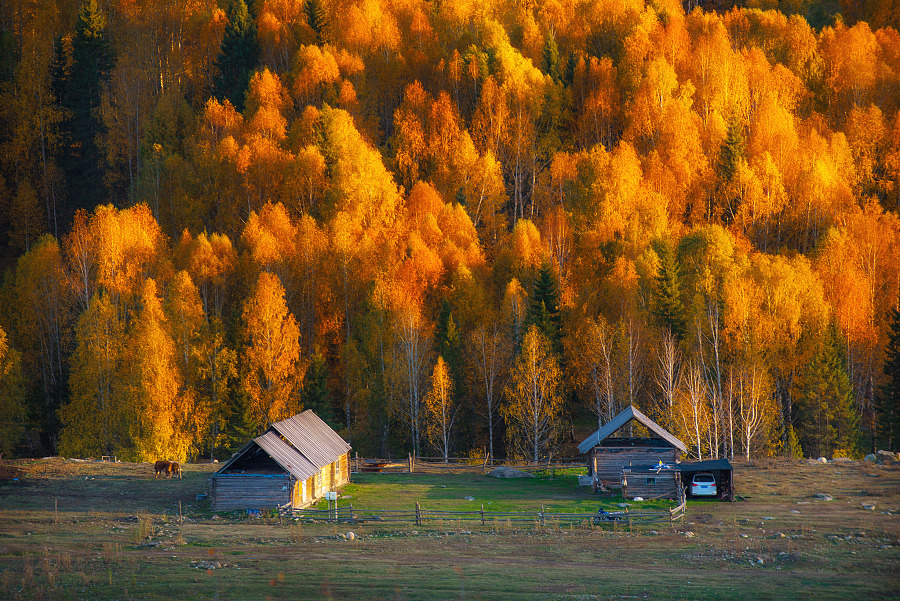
(96, 530)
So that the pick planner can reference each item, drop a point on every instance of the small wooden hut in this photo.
(608, 455)
(292, 464)
(651, 481)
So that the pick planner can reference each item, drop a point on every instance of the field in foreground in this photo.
(92, 530)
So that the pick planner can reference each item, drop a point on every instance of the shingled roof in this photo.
(620, 420)
(302, 445)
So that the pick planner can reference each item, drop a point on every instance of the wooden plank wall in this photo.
(232, 492)
(664, 484)
(611, 460)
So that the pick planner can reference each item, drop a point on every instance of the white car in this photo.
(703, 485)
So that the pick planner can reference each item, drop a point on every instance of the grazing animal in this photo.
(162, 467)
(175, 469)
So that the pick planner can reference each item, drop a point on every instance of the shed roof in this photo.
(705, 466)
(620, 420)
(302, 445)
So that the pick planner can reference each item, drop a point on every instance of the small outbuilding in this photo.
(292, 464)
(720, 469)
(608, 456)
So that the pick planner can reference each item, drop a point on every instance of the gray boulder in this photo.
(508, 472)
(823, 497)
(871, 458)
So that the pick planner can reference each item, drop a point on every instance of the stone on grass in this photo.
(823, 497)
(689, 534)
(871, 458)
(351, 536)
(508, 472)
(822, 460)
(469, 498)
(868, 505)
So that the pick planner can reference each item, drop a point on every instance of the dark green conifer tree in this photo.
(543, 310)
(827, 420)
(78, 81)
(732, 151)
(550, 58)
(316, 394)
(317, 19)
(668, 308)
(238, 57)
(889, 401)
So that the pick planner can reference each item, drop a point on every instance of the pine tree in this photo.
(78, 81)
(316, 395)
(732, 151)
(889, 402)
(668, 308)
(828, 423)
(317, 19)
(544, 308)
(238, 57)
(550, 58)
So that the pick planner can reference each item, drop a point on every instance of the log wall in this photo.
(609, 461)
(232, 492)
(649, 484)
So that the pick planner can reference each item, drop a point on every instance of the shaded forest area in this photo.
(453, 228)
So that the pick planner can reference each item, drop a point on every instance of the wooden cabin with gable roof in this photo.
(291, 465)
(609, 456)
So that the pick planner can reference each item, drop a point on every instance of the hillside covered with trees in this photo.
(448, 227)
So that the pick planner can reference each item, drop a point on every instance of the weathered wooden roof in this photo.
(620, 420)
(312, 437)
(286, 456)
(308, 445)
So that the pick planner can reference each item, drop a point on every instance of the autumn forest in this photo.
(448, 227)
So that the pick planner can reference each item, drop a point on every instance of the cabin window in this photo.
(651, 480)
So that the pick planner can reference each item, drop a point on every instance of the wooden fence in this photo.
(413, 464)
(421, 516)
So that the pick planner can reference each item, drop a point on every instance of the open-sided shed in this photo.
(608, 456)
(720, 469)
(293, 463)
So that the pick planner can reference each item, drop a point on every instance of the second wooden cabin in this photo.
(609, 456)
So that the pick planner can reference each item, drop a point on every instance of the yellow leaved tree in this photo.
(272, 366)
(534, 397)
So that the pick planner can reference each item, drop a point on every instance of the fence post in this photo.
(409, 458)
(484, 467)
(542, 515)
(672, 518)
(482, 514)
(357, 462)
(351, 512)
(418, 515)
(628, 516)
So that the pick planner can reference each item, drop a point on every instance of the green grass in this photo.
(559, 494)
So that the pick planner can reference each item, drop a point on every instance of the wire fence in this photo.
(421, 516)
(413, 464)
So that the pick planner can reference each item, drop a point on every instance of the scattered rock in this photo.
(759, 561)
(794, 511)
(469, 498)
(745, 535)
(822, 460)
(639, 498)
(350, 536)
(689, 534)
(508, 472)
(779, 535)
(842, 460)
(342, 536)
(870, 506)
(823, 497)
(871, 458)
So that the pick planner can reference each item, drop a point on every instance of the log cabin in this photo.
(608, 456)
(291, 465)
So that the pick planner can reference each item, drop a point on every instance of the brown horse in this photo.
(162, 467)
(174, 469)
